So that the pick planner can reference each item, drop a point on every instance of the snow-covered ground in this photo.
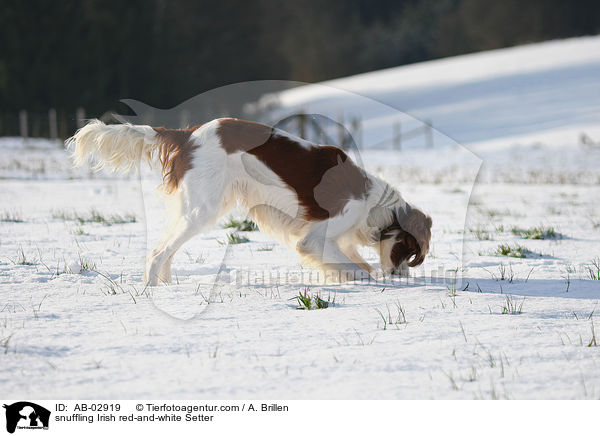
(77, 322)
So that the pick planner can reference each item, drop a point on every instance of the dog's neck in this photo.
(386, 209)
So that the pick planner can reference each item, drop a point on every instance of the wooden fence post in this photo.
(428, 134)
(53, 123)
(341, 130)
(397, 135)
(80, 117)
(148, 118)
(357, 132)
(23, 124)
(184, 119)
(302, 124)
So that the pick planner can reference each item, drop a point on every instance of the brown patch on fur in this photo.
(175, 154)
(323, 176)
(239, 135)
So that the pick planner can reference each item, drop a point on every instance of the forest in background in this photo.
(91, 53)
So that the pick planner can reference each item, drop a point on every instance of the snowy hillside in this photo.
(529, 112)
(508, 314)
(481, 96)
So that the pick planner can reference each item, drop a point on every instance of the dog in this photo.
(312, 198)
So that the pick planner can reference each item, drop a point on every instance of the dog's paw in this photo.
(365, 276)
(348, 275)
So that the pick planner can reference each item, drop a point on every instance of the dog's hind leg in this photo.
(201, 200)
(158, 264)
(164, 275)
(183, 231)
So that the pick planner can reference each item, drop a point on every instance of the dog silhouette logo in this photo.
(26, 415)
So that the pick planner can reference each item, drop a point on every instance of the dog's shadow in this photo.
(526, 287)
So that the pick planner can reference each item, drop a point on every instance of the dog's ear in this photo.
(418, 225)
(419, 257)
(423, 236)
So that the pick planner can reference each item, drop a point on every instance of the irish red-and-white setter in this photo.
(311, 197)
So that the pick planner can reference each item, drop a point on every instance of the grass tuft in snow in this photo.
(492, 213)
(86, 264)
(593, 342)
(21, 259)
(5, 341)
(480, 233)
(395, 319)
(112, 287)
(540, 232)
(452, 290)
(593, 270)
(513, 251)
(506, 274)
(94, 216)
(497, 213)
(198, 259)
(245, 225)
(265, 248)
(78, 231)
(234, 238)
(512, 307)
(11, 216)
(311, 302)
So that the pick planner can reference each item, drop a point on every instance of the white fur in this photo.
(218, 181)
(119, 146)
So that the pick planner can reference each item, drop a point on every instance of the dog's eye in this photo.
(386, 235)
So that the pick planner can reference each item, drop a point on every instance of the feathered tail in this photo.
(120, 146)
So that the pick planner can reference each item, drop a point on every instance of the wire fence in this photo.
(345, 131)
(52, 124)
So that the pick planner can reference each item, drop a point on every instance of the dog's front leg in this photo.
(324, 251)
(340, 267)
(353, 254)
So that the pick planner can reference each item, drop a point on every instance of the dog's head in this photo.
(405, 241)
